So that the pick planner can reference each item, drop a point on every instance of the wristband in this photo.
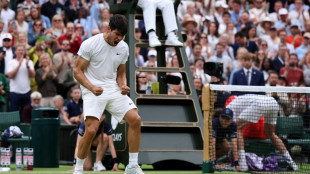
(74, 161)
(115, 160)
(235, 163)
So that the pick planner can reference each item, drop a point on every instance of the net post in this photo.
(207, 164)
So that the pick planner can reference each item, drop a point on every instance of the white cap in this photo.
(7, 36)
(218, 3)
(152, 53)
(283, 11)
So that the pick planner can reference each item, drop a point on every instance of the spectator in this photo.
(236, 64)
(258, 60)
(26, 6)
(295, 105)
(196, 53)
(259, 11)
(62, 61)
(20, 23)
(176, 89)
(213, 36)
(6, 14)
(264, 26)
(241, 41)
(142, 83)
(35, 103)
(228, 50)
(251, 34)
(59, 104)
(35, 52)
(1, 31)
(20, 70)
(267, 66)
(50, 41)
(198, 86)
(12, 31)
(58, 26)
(4, 91)
(247, 75)
(283, 36)
(244, 22)
(22, 39)
(69, 80)
(190, 27)
(220, 7)
(36, 33)
(104, 17)
(236, 12)
(46, 78)
(223, 25)
(7, 53)
(301, 50)
(200, 72)
(79, 30)
(221, 58)
(152, 57)
(35, 14)
(51, 8)
(274, 16)
(138, 57)
(75, 41)
(295, 38)
(292, 73)
(305, 64)
(71, 9)
(74, 107)
(299, 14)
(206, 51)
(281, 23)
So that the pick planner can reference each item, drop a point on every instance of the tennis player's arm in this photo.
(78, 72)
(121, 75)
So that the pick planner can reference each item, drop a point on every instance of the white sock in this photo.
(241, 154)
(133, 159)
(79, 163)
(171, 35)
(152, 34)
(287, 155)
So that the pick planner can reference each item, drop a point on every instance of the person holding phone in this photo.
(7, 52)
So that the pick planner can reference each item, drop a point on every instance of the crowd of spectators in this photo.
(276, 33)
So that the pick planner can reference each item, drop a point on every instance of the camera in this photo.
(213, 69)
(3, 52)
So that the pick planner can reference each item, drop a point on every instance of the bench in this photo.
(290, 130)
(8, 119)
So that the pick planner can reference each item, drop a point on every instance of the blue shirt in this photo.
(73, 109)
(106, 128)
(220, 133)
(300, 51)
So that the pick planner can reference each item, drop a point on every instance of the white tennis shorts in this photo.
(112, 101)
(252, 107)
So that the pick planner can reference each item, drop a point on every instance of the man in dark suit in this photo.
(247, 75)
(279, 61)
(241, 41)
(7, 52)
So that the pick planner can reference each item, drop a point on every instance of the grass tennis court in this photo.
(148, 169)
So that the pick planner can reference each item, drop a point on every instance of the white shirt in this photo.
(294, 15)
(250, 74)
(6, 16)
(8, 57)
(22, 29)
(21, 82)
(227, 62)
(104, 60)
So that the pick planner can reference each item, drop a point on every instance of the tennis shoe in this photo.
(78, 171)
(173, 41)
(99, 167)
(133, 169)
(154, 42)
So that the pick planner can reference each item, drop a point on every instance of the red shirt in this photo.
(293, 77)
(298, 41)
(75, 45)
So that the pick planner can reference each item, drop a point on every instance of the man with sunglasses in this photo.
(7, 52)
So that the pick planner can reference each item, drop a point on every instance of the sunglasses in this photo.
(142, 77)
(37, 24)
(65, 44)
(6, 40)
(57, 20)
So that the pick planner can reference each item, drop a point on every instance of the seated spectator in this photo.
(301, 50)
(59, 104)
(26, 6)
(241, 41)
(6, 14)
(176, 89)
(50, 41)
(223, 130)
(74, 107)
(22, 39)
(141, 82)
(296, 37)
(295, 105)
(305, 65)
(138, 57)
(152, 57)
(213, 35)
(35, 103)
(251, 34)
(206, 51)
(20, 24)
(7, 52)
(102, 140)
(35, 14)
(199, 63)
(49, 8)
(104, 17)
(47, 79)
(198, 86)
(267, 66)
(293, 74)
